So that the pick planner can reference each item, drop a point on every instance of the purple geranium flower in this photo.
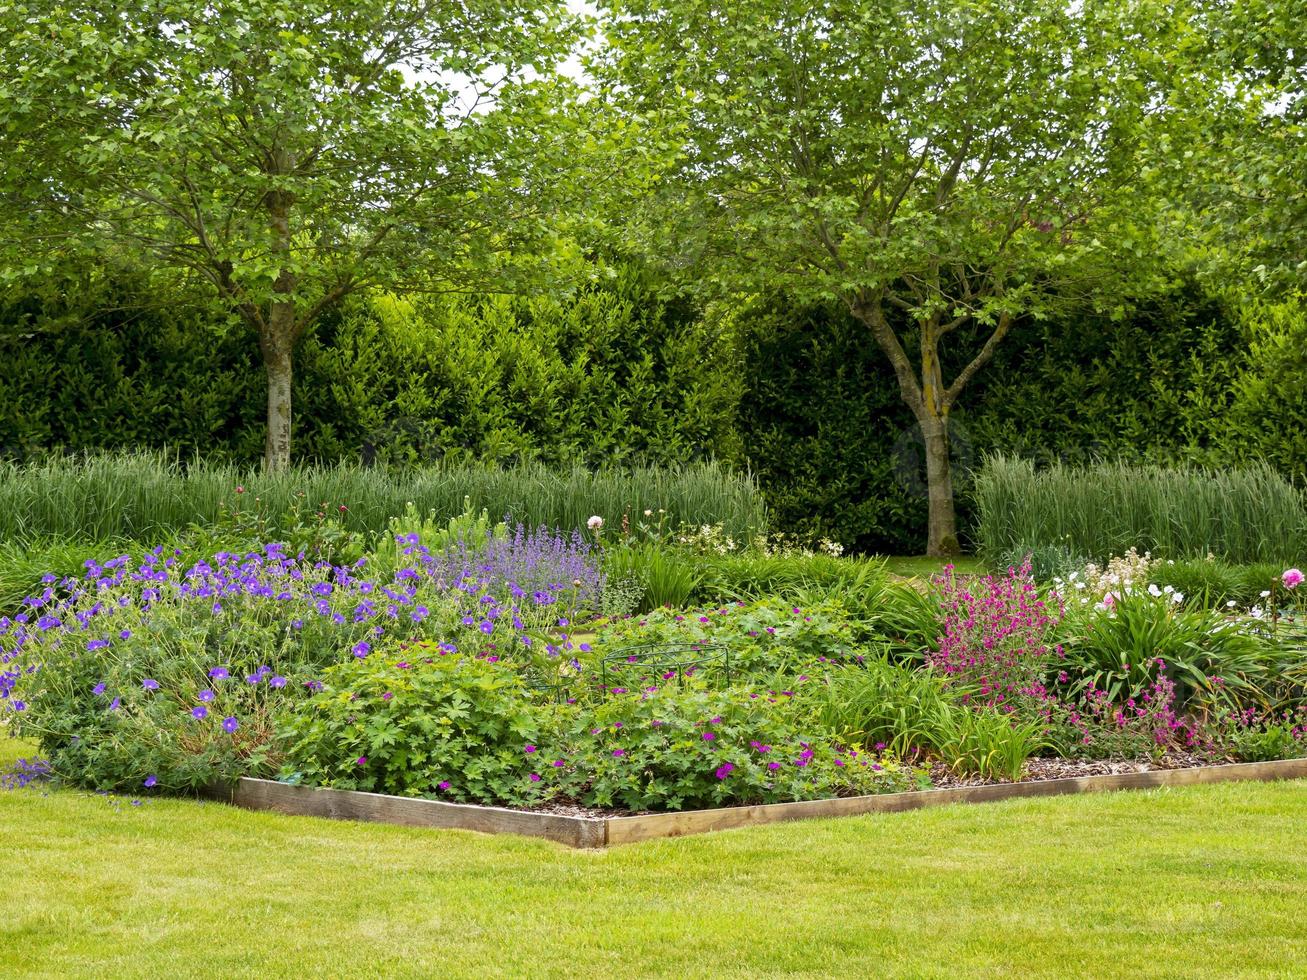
(230, 724)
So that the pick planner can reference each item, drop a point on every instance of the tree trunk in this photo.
(930, 402)
(941, 531)
(277, 363)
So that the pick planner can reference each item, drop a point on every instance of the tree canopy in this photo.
(286, 153)
(939, 167)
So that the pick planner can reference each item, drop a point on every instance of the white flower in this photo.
(595, 523)
(648, 512)
(1231, 604)
(1177, 597)
(1265, 593)
(1153, 590)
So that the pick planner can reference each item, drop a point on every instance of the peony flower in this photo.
(595, 523)
(1292, 578)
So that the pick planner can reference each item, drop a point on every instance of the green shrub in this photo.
(984, 742)
(1248, 738)
(446, 726)
(766, 638)
(1244, 515)
(612, 372)
(682, 747)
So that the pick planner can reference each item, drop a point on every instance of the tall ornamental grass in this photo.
(146, 496)
(1245, 515)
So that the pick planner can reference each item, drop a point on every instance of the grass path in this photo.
(1202, 881)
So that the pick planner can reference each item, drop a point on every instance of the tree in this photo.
(941, 167)
(285, 152)
(1238, 160)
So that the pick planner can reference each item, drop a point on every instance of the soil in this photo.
(1041, 769)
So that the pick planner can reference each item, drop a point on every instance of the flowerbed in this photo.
(485, 671)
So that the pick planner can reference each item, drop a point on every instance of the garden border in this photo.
(595, 832)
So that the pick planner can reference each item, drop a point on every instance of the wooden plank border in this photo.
(591, 832)
(627, 830)
(341, 804)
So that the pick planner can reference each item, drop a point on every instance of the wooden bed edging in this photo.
(589, 832)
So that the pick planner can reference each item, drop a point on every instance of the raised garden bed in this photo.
(605, 831)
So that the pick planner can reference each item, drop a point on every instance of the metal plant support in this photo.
(664, 661)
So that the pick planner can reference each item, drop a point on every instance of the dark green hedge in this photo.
(833, 446)
(800, 396)
(612, 375)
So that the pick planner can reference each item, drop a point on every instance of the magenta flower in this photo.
(443, 785)
(558, 763)
(618, 753)
(361, 761)
(708, 736)
(1292, 578)
(535, 777)
(724, 770)
(530, 748)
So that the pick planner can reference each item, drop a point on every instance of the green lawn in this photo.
(921, 566)
(1192, 882)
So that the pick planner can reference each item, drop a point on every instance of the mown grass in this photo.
(148, 497)
(1244, 516)
(1202, 881)
(925, 567)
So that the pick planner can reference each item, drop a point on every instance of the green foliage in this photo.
(393, 551)
(821, 420)
(610, 373)
(684, 748)
(1243, 515)
(909, 712)
(1213, 583)
(23, 565)
(985, 742)
(286, 155)
(767, 637)
(115, 737)
(147, 496)
(665, 576)
(1047, 561)
(1267, 738)
(1268, 415)
(1210, 658)
(838, 454)
(454, 720)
